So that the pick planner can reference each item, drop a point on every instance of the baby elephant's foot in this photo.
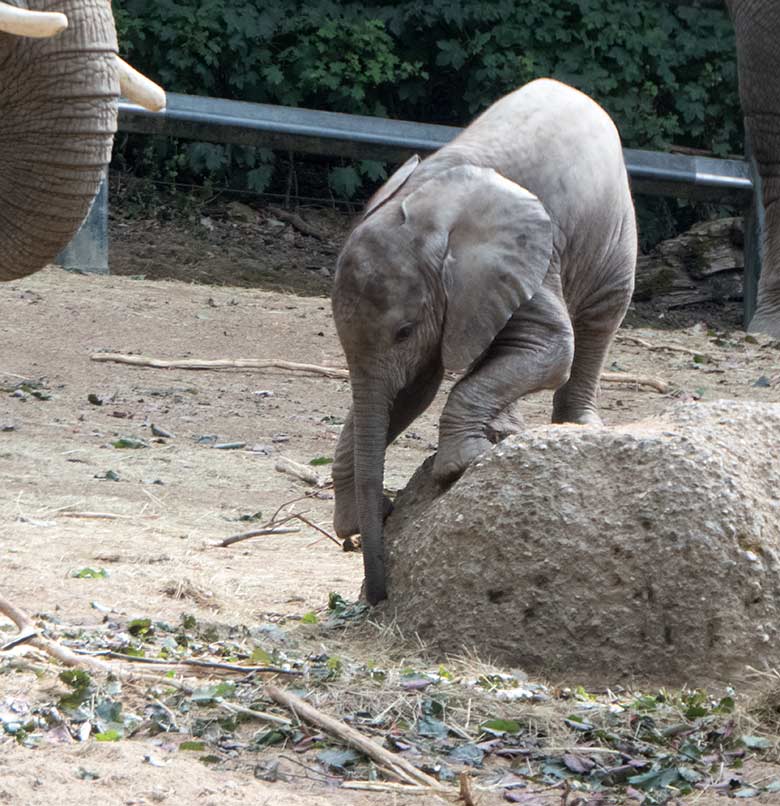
(345, 517)
(582, 417)
(453, 458)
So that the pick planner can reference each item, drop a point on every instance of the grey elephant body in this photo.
(58, 113)
(509, 254)
(757, 28)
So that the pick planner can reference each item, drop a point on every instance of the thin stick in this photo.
(396, 764)
(266, 717)
(389, 786)
(466, 793)
(318, 529)
(70, 658)
(201, 664)
(236, 363)
(268, 530)
(97, 516)
(302, 472)
(672, 348)
(640, 380)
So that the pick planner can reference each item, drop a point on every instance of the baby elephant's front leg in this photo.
(534, 351)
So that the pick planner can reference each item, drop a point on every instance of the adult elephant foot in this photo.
(766, 322)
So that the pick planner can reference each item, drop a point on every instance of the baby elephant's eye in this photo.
(403, 332)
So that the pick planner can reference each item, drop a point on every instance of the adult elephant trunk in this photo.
(371, 421)
(58, 113)
(757, 23)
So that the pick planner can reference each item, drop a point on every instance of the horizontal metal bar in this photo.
(363, 137)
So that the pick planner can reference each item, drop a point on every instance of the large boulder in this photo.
(647, 551)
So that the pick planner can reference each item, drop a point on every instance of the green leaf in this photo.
(130, 443)
(140, 627)
(255, 516)
(373, 170)
(501, 726)
(468, 754)
(259, 179)
(76, 678)
(309, 618)
(336, 601)
(755, 742)
(430, 726)
(196, 746)
(321, 460)
(654, 779)
(260, 657)
(270, 737)
(90, 573)
(216, 693)
(108, 736)
(344, 181)
(725, 706)
(338, 760)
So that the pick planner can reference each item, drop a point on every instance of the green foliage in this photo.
(665, 72)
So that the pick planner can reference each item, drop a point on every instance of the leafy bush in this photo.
(666, 73)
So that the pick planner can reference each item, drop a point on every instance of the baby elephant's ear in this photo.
(498, 252)
(392, 186)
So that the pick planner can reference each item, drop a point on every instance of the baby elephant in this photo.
(510, 254)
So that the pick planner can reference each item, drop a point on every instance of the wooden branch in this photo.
(266, 717)
(200, 664)
(268, 530)
(640, 380)
(399, 766)
(70, 658)
(236, 363)
(672, 348)
(299, 471)
(297, 222)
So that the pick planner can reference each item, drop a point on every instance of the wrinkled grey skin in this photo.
(757, 26)
(58, 108)
(509, 254)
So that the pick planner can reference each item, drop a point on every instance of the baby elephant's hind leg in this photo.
(594, 325)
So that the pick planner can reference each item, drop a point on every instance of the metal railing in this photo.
(362, 137)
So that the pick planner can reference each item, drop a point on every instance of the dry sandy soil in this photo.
(174, 498)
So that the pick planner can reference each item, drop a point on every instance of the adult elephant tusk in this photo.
(23, 22)
(137, 88)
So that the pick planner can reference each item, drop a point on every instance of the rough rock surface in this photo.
(649, 551)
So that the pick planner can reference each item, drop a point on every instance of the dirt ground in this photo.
(171, 500)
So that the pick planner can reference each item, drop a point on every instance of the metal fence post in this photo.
(88, 251)
(754, 239)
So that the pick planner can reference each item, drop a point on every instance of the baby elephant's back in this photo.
(556, 142)
(563, 147)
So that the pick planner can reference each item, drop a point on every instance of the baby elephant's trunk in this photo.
(371, 417)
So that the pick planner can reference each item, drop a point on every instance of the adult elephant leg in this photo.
(757, 26)
(534, 351)
(58, 103)
(409, 404)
